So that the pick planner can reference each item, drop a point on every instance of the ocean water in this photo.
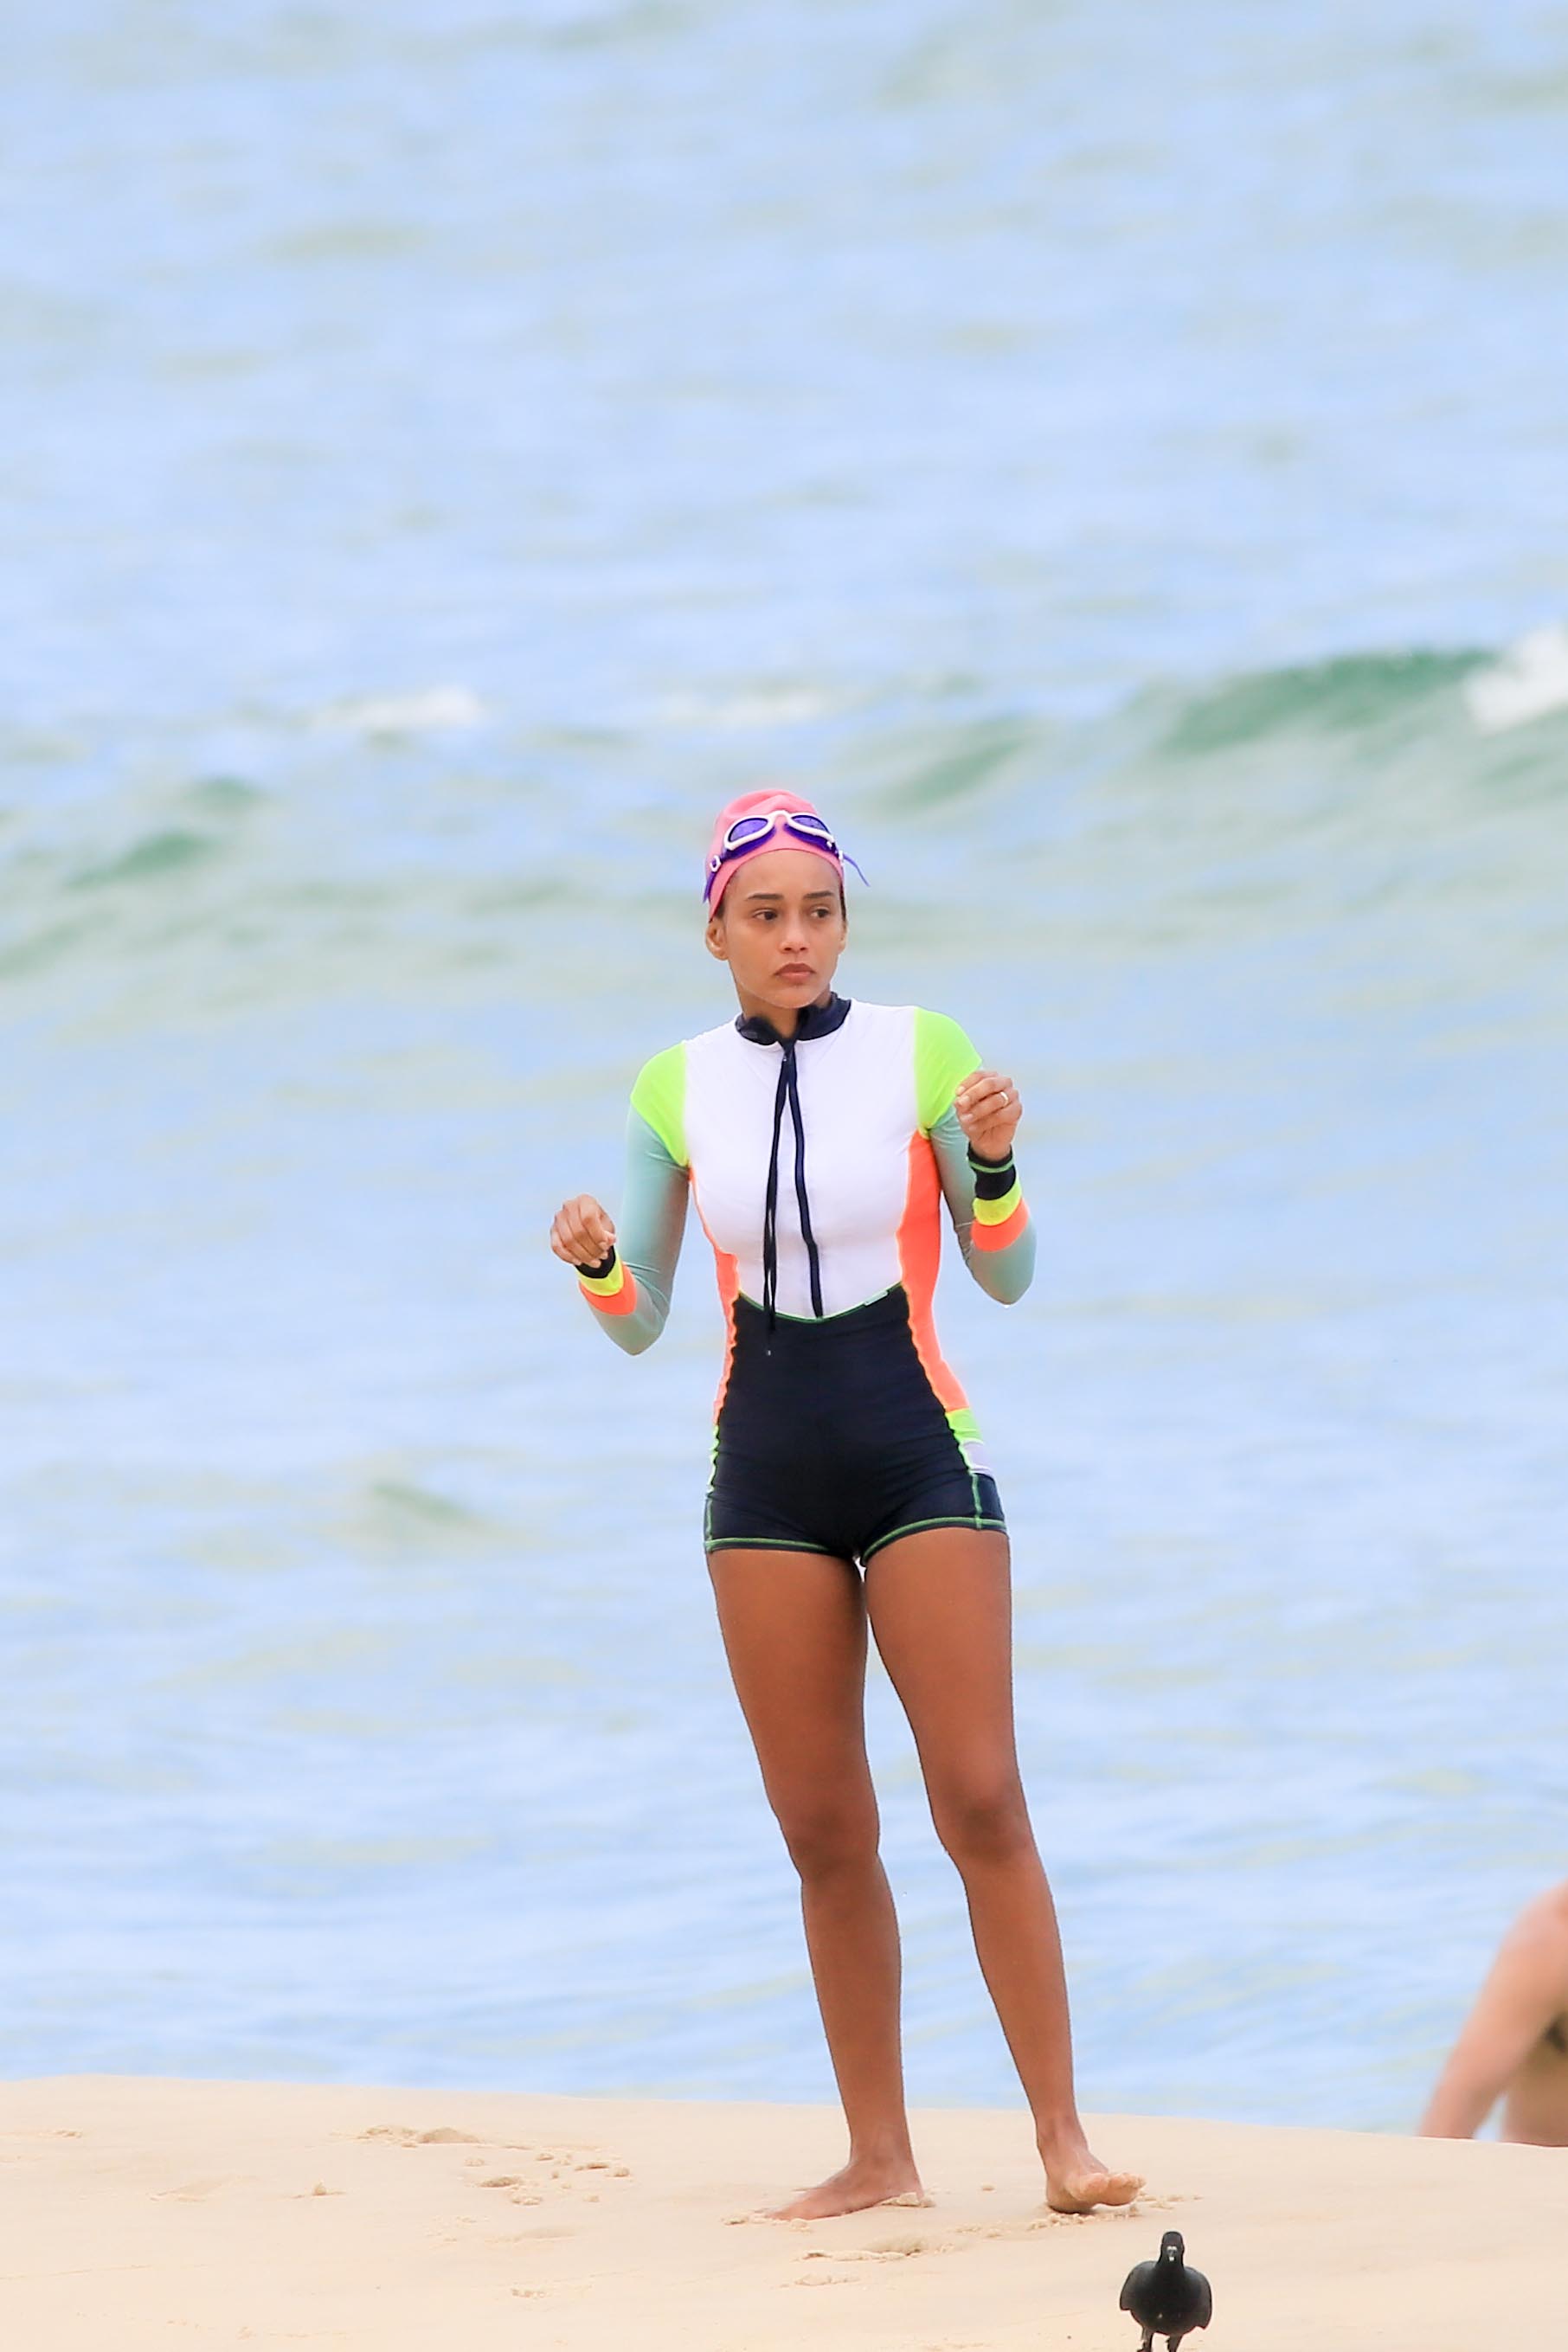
(1098, 451)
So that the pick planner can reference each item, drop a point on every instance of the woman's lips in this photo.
(795, 972)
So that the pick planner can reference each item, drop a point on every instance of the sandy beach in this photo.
(145, 2214)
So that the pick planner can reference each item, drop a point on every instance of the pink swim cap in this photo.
(773, 800)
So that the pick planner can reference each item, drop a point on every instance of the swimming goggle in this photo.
(748, 831)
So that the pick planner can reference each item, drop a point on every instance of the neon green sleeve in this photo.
(943, 1059)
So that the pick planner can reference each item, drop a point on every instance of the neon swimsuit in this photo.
(819, 1166)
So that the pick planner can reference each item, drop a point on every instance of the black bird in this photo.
(1165, 2297)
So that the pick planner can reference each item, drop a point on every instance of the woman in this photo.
(843, 1441)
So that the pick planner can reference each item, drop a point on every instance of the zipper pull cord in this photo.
(812, 1259)
(771, 1203)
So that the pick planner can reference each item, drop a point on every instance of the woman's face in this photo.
(781, 929)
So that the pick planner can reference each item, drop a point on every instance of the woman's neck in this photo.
(783, 1018)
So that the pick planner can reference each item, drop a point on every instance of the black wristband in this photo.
(606, 1266)
(994, 1178)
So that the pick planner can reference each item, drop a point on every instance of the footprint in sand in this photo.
(886, 2250)
(562, 2173)
(1033, 2222)
(405, 2135)
(564, 2165)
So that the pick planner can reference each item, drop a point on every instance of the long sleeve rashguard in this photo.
(876, 1147)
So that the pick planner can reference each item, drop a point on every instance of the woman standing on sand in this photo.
(843, 1441)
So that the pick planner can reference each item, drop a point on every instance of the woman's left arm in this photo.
(971, 1116)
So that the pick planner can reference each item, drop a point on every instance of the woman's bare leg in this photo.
(940, 1608)
(795, 1633)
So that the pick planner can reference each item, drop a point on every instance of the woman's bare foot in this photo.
(1077, 2181)
(862, 2182)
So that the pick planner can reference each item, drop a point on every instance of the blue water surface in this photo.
(448, 450)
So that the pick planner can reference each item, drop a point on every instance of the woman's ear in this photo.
(714, 940)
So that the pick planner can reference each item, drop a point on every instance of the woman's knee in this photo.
(826, 1837)
(983, 1820)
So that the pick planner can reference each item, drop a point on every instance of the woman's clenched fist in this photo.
(582, 1234)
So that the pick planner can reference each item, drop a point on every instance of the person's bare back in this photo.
(1514, 2043)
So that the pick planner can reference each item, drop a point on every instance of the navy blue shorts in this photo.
(831, 1439)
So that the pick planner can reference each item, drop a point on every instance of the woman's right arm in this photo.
(1523, 1995)
(626, 1277)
